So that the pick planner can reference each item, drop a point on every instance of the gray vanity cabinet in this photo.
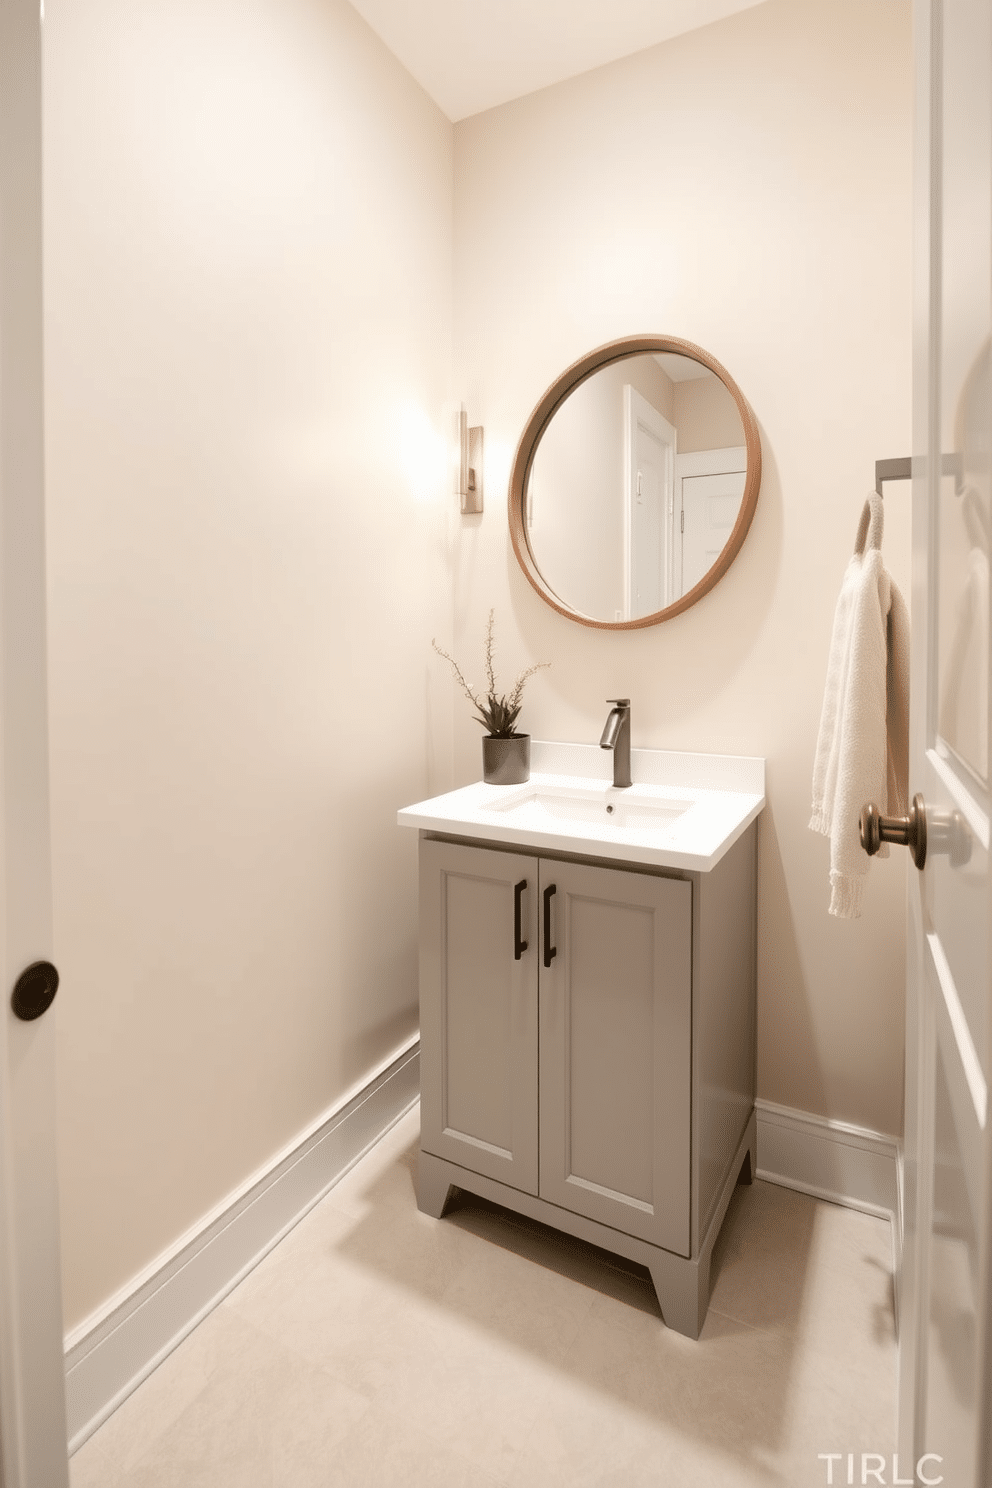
(559, 1073)
(478, 1011)
(614, 1050)
(591, 1051)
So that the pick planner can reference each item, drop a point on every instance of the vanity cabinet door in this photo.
(478, 1010)
(615, 1032)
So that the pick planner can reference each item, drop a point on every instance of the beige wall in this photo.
(576, 496)
(248, 282)
(706, 416)
(771, 226)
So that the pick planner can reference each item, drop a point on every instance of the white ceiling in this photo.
(471, 55)
(681, 368)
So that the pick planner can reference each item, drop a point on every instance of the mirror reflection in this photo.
(635, 486)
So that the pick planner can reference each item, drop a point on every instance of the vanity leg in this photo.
(683, 1292)
(683, 1286)
(433, 1185)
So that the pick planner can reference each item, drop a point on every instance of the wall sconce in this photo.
(468, 479)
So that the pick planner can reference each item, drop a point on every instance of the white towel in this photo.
(862, 753)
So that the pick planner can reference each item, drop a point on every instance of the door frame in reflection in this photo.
(643, 425)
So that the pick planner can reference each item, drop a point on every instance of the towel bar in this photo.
(889, 470)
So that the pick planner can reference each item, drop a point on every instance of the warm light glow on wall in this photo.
(422, 453)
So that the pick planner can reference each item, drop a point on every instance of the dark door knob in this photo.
(924, 829)
(34, 991)
(908, 831)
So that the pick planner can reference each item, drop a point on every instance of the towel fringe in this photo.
(845, 895)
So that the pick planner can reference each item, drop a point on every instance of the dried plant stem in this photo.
(465, 686)
(497, 714)
(518, 686)
(490, 648)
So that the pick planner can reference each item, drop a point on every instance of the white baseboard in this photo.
(829, 1159)
(110, 1353)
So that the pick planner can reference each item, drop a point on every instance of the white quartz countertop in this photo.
(682, 811)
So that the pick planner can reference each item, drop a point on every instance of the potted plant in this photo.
(505, 752)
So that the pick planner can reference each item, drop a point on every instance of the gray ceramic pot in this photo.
(506, 761)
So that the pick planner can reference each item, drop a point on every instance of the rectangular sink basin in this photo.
(621, 809)
(683, 810)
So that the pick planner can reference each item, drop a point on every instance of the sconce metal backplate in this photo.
(471, 486)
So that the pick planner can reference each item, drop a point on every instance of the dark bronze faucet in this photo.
(616, 736)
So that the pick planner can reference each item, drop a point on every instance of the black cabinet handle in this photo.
(519, 946)
(550, 951)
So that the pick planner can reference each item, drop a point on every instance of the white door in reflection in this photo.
(649, 482)
(709, 488)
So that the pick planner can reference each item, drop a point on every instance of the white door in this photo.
(32, 1377)
(709, 488)
(945, 1385)
(650, 448)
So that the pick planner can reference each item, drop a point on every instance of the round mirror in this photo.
(634, 483)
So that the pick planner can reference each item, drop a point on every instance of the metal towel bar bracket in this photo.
(890, 470)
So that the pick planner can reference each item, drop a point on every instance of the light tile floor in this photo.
(376, 1346)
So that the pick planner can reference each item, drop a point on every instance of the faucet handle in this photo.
(620, 702)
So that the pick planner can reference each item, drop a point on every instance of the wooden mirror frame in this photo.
(560, 389)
